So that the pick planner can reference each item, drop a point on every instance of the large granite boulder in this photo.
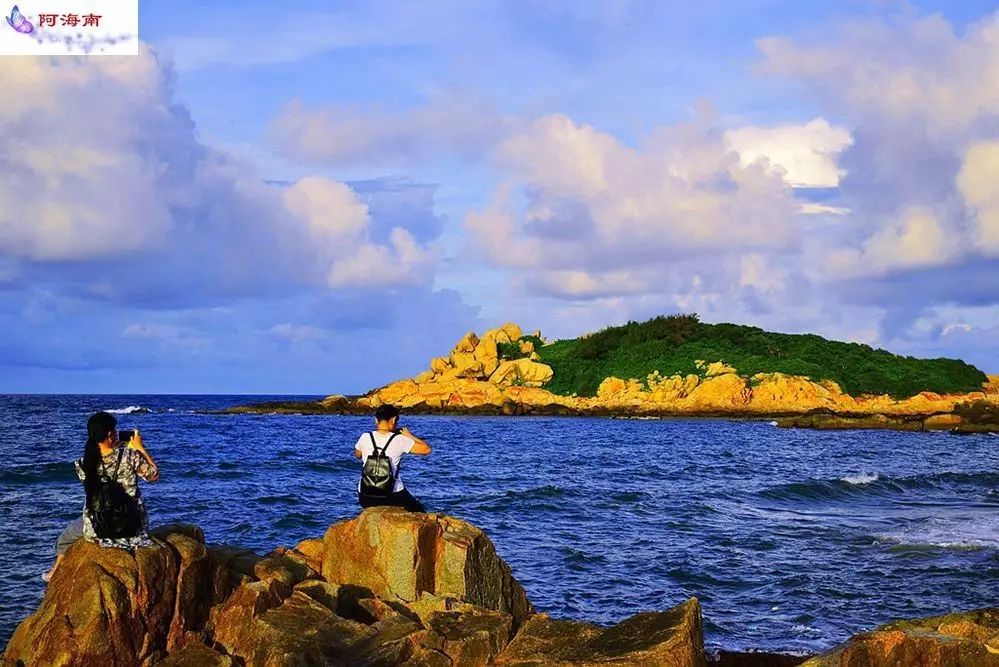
(261, 628)
(672, 638)
(522, 371)
(718, 393)
(197, 655)
(969, 639)
(399, 555)
(115, 607)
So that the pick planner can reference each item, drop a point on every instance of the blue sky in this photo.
(320, 197)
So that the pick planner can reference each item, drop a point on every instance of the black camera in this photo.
(125, 436)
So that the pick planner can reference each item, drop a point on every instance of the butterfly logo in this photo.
(17, 21)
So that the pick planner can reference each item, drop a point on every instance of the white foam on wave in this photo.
(964, 531)
(862, 478)
(127, 411)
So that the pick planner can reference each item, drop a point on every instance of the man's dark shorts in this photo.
(398, 499)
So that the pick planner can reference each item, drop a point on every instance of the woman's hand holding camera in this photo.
(136, 444)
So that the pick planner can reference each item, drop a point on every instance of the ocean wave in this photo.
(862, 478)
(59, 471)
(965, 533)
(850, 486)
(285, 499)
(537, 493)
(330, 466)
(130, 410)
(298, 520)
(539, 498)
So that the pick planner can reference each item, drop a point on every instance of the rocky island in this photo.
(387, 588)
(678, 366)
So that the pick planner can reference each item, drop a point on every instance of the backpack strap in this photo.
(371, 434)
(117, 463)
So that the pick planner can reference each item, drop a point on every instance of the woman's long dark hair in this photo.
(99, 426)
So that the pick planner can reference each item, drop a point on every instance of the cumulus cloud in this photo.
(906, 69)
(922, 104)
(122, 232)
(591, 216)
(805, 154)
(105, 175)
(757, 273)
(915, 240)
(977, 182)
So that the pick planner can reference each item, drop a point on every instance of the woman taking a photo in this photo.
(113, 513)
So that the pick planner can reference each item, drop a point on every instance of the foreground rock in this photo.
(656, 639)
(969, 639)
(108, 607)
(400, 555)
(385, 588)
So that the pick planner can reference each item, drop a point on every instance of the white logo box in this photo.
(69, 28)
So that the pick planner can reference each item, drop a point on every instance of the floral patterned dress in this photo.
(133, 466)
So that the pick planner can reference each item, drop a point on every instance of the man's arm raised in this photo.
(420, 448)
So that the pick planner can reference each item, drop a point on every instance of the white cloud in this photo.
(812, 208)
(921, 101)
(908, 69)
(313, 198)
(569, 159)
(581, 284)
(804, 154)
(74, 184)
(602, 218)
(758, 273)
(955, 326)
(402, 261)
(915, 240)
(101, 164)
(978, 182)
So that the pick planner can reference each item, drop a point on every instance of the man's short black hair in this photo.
(386, 412)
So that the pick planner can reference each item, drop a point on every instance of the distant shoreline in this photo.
(819, 419)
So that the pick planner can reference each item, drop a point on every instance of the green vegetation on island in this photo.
(672, 344)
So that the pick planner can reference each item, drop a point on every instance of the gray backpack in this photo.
(376, 476)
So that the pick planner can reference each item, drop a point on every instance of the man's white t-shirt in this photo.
(400, 445)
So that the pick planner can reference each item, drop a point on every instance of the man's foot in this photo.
(48, 575)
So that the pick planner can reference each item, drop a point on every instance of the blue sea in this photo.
(792, 540)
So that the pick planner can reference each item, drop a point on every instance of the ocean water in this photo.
(792, 540)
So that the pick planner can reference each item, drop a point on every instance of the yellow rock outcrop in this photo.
(474, 376)
(440, 365)
(720, 392)
(717, 368)
(466, 365)
(487, 353)
(777, 392)
(471, 376)
(467, 343)
(521, 371)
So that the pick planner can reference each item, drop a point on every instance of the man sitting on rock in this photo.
(381, 453)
